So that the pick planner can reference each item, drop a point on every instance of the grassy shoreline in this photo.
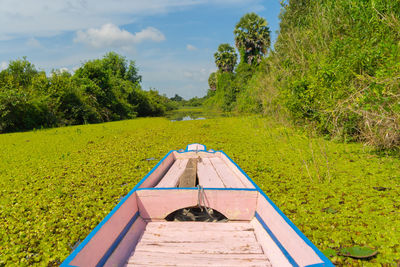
(58, 184)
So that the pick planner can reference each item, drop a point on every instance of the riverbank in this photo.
(58, 184)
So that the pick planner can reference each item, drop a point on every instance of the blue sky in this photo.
(172, 41)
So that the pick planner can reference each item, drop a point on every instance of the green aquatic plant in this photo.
(56, 185)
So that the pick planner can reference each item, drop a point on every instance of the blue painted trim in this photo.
(326, 261)
(284, 251)
(98, 227)
(195, 188)
(117, 240)
(317, 265)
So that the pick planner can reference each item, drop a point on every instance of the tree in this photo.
(252, 38)
(212, 81)
(132, 73)
(22, 71)
(177, 98)
(225, 58)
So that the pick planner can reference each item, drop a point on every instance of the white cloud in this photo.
(109, 35)
(32, 42)
(3, 65)
(191, 47)
(149, 33)
(52, 17)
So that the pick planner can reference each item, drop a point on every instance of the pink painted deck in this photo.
(198, 244)
(214, 170)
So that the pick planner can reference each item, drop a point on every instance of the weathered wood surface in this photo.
(171, 178)
(168, 259)
(207, 175)
(235, 205)
(214, 170)
(198, 226)
(229, 179)
(188, 155)
(188, 177)
(198, 244)
(235, 170)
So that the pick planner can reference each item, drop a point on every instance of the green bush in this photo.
(336, 65)
(101, 90)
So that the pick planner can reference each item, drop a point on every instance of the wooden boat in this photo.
(252, 232)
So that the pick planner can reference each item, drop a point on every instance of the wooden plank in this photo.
(171, 178)
(229, 179)
(235, 205)
(207, 175)
(127, 245)
(188, 177)
(302, 253)
(235, 170)
(198, 236)
(188, 227)
(200, 248)
(185, 155)
(271, 250)
(166, 259)
(198, 244)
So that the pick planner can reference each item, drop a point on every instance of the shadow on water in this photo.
(191, 114)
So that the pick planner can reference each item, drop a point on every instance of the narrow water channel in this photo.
(191, 114)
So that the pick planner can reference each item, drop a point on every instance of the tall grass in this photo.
(336, 66)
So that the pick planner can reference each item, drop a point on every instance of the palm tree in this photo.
(252, 37)
(225, 58)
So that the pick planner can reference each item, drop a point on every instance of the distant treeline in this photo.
(100, 90)
(335, 66)
(193, 102)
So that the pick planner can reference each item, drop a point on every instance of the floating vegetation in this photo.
(56, 185)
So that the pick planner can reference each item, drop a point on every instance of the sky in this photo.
(171, 41)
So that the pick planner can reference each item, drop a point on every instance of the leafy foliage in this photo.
(100, 90)
(336, 67)
(193, 102)
(225, 58)
(212, 81)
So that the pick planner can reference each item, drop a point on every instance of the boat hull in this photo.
(128, 235)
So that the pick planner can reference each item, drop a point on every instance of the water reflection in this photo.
(188, 118)
(191, 114)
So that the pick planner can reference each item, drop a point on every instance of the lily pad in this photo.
(358, 252)
(329, 252)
